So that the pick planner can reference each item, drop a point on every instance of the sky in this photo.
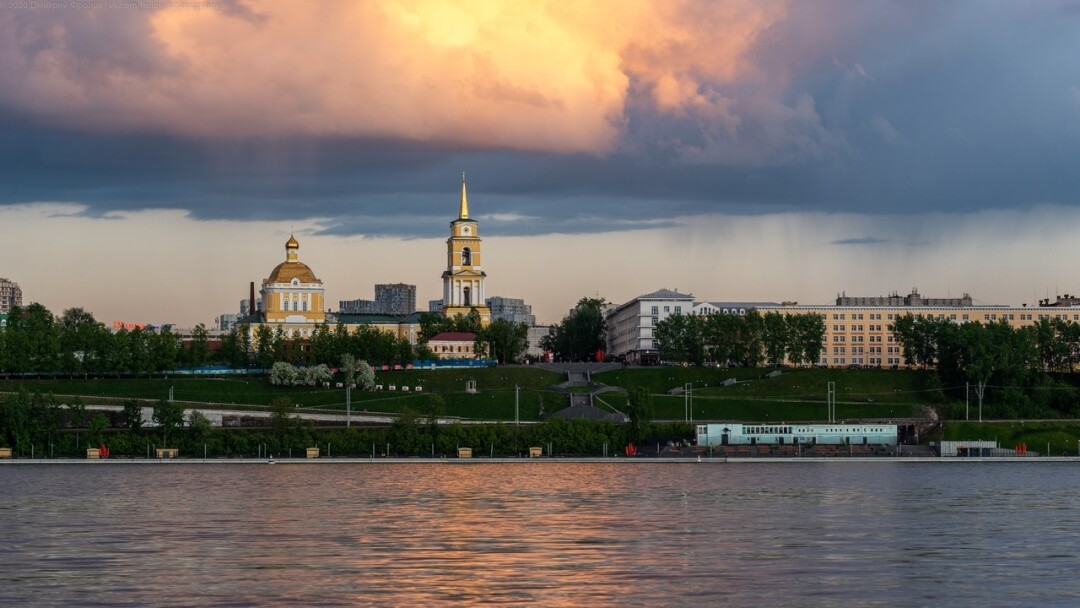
(155, 157)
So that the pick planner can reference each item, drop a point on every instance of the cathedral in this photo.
(292, 294)
(293, 298)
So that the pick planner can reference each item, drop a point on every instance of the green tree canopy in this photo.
(581, 335)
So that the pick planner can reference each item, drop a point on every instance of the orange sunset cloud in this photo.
(543, 76)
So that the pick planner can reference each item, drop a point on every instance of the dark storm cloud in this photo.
(888, 108)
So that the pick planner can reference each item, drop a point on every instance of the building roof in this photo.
(453, 336)
(666, 294)
(285, 272)
(375, 318)
(738, 304)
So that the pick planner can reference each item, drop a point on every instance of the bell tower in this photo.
(463, 280)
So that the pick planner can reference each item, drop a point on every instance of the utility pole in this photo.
(348, 405)
(830, 398)
(967, 401)
(517, 403)
(687, 414)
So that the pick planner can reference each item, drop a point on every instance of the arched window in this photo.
(466, 257)
(467, 294)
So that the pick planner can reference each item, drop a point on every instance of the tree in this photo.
(79, 340)
(639, 408)
(168, 416)
(432, 324)
(805, 335)
(199, 349)
(774, 337)
(365, 376)
(436, 408)
(281, 419)
(232, 353)
(96, 434)
(348, 368)
(133, 415)
(750, 339)
(722, 337)
(323, 346)
(166, 348)
(581, 335)
(508, 340)
(76, 413)
(284, 374)
(264, 346)
(314, 375)
(200, 425)
(32, 340)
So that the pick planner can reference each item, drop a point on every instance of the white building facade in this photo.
(630, 326)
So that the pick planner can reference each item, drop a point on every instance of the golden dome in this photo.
(285, 272)
(292, 243)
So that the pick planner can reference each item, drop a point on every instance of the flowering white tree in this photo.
(316, 374)
(365, 376)
(283, 374)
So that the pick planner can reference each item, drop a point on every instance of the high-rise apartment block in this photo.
(511, 309)
(397, 299)
(10, 295)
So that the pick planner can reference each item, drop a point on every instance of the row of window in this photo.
(871, 361)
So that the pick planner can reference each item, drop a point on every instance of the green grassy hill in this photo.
(796, 394)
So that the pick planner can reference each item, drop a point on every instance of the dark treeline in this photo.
(1018, 372)
(39, 425)
(76, 344)
(745, 340)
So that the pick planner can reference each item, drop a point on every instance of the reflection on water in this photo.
(539, 533)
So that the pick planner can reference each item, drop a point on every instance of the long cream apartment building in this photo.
(857, 329)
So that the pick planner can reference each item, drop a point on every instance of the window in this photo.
(965, 317)
(655, 310)
(678, 310)
(667, 309)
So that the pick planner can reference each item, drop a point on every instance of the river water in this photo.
(541, 534)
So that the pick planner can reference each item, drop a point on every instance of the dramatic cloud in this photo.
(548, 75)
(356, 118)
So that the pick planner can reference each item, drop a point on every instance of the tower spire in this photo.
(463, 212)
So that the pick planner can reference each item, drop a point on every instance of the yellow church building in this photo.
(293, 297)
(463, 280)
(292, 294)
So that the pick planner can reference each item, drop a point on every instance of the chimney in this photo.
(251, 301)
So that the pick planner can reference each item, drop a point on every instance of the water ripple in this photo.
(550, 534)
